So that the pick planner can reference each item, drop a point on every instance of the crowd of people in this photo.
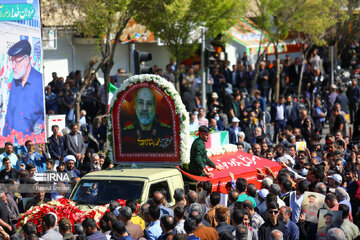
(326, 118)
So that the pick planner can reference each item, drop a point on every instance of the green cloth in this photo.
(198, 158)
(244, 197)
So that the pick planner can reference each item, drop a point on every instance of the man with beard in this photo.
(291, 229)
(327, 224)
(146, 135)
(70, 162)
(25, 112)
(95, 162)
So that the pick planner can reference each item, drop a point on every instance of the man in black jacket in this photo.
(248, 127)
(8, 172)
(353, 94)
(272, 223)
(56, 144)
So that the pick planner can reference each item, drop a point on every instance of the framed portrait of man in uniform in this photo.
(146, 124)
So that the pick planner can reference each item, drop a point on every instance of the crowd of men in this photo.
(328, 165)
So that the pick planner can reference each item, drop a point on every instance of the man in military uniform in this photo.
(25, 111)
(198, 157)
(147, 135)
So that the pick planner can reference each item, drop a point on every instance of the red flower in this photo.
(128, 123)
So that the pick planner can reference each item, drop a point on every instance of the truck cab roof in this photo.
(149, 173)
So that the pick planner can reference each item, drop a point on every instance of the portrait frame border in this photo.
(181, 115)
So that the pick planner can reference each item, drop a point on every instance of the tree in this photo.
(278, 18)
(102, 20)
(261, 9)
(347, 27)
(284, 15)
(317, 21)
(177, 22)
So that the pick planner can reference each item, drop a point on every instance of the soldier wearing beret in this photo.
(198, 156)
(25, 111)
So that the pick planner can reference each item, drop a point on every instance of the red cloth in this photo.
(241, 164)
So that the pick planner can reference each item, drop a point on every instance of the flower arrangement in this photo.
(63, 208)
(180, 109)
(220, 150)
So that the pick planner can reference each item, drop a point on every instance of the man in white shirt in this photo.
(202, 120)
(296, 199)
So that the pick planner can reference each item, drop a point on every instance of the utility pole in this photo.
(203, 70)
(132, 52)
(332, 63)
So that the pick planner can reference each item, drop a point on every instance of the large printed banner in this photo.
(21, 79)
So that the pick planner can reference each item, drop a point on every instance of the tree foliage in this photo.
(100, 20)
(277, 18)
(347, 27)
(177, 22)
(319, 17)
(312, 18)
(316, 24)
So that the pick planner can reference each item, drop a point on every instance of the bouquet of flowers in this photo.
(63, 208)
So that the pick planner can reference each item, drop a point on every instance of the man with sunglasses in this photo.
(198, 157)
(25, 111)
(272, 223)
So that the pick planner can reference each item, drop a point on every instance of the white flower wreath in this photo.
(180, 109)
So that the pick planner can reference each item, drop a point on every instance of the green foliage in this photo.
(98, 18)
(277, 17)
(347, 28)
(318, 17)
(177, 22)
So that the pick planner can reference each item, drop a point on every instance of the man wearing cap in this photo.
(234, 131)
(198, 156)
(70, 162)
(25, 112)
(334, 181)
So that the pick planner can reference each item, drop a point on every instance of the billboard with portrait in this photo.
(146, 126)
(21, 79)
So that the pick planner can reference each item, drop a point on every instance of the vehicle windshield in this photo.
(99, 192)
